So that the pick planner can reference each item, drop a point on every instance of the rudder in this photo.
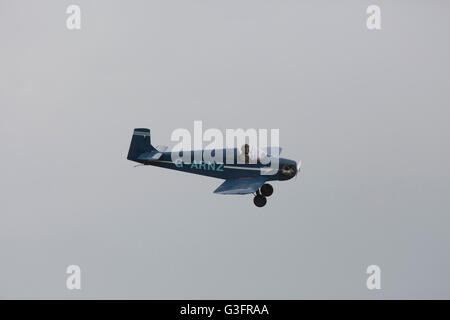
(140, 143)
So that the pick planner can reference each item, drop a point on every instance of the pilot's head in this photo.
(246, 148)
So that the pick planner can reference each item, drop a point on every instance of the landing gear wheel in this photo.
(266, 190)
(259, 201)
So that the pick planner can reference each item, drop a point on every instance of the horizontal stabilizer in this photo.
(149, 156)
(161, 148)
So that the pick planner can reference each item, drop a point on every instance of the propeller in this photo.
(299, 165)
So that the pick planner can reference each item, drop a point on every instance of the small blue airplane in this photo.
(241, 177)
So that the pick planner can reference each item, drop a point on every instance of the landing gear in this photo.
(259, 200)
(266, 190)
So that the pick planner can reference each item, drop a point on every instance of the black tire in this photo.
(266, 190)
(259, 201)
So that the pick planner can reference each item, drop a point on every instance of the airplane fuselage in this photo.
(222, 170)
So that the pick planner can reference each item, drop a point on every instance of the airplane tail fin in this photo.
(140, 143)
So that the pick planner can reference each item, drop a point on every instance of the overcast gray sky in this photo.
(366, 111)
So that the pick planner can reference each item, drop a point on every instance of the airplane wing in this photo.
(241, 185)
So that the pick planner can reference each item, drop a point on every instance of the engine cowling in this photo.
(288, 171)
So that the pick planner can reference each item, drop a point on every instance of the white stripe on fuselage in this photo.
(227, 167)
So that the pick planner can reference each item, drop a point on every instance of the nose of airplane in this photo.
(288, 169)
